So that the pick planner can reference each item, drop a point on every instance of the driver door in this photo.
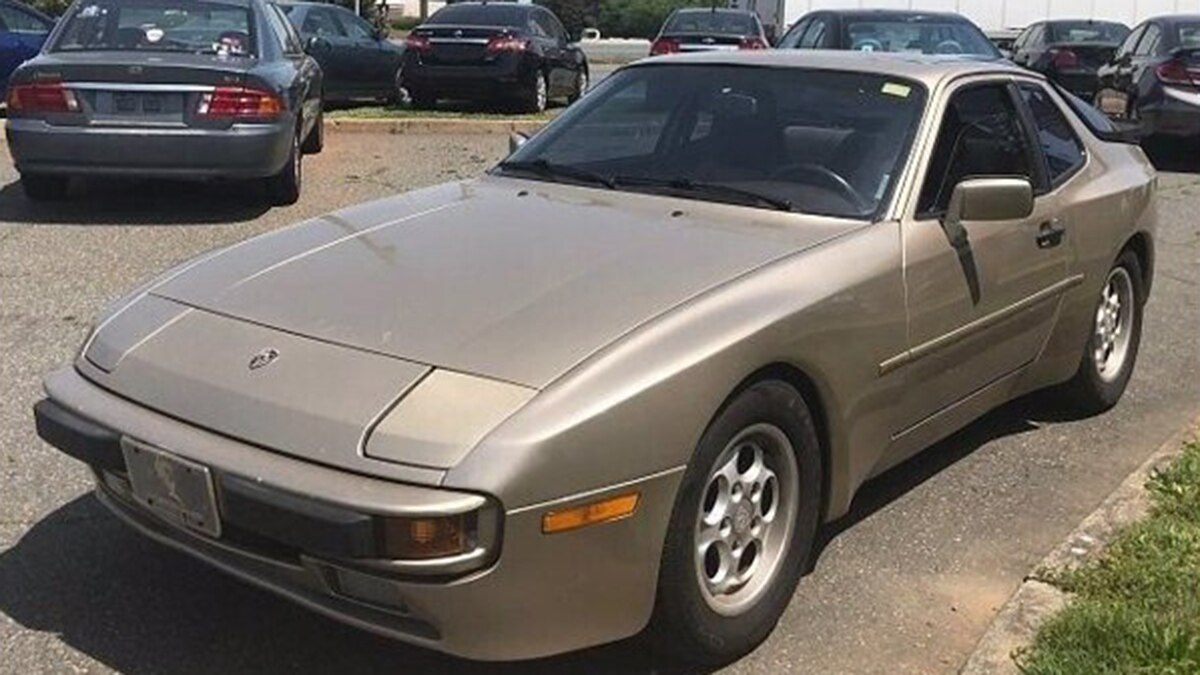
(982, 296)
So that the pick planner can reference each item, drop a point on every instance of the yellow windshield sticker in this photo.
(896, 89)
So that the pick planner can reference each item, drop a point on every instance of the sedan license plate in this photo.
(177, 490)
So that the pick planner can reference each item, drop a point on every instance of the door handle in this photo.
(1050, 234)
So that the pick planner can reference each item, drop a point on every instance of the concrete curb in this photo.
(1035, 600)
(431, 125)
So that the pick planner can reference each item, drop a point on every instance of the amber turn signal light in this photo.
(419, 538)
(603, 511)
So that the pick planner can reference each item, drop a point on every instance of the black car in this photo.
(1069, 52)
(701, 30)
(516, 53)
(167, 88)
(358, 60)
(1154, 79)
(879, 30)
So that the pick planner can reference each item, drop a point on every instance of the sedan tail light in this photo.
(506, 43)
(418, 43)
(664, 46)
(1064, 58)
(1176, 72)
(240, 103)
(752, 43)
(42, 97)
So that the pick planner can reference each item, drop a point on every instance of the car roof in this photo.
(1175, 18)
(927, 69)
(712, 10)
(894, 14)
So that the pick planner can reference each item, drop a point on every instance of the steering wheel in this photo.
(948, 47)
(826, 177)
(868, 45)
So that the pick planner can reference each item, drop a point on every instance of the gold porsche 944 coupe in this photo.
(619, 381)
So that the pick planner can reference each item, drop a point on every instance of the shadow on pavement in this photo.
(1176, 155)
(141, 608)
(128, 202)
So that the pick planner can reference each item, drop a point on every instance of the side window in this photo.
(278, 24)
(355, 27)
(14, 20)
(1062, 148)
(814, 36)
(980, 136)
(553, 27)
(1022, 38)
(1131, 41)
(321, 22)
(791, 39)
(1149, 42)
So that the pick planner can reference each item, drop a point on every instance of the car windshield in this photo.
(711, 22)
(923, 35)
(820, 142)
(479, 15)
(1074, 32)
(1189, 35)
(158, 26)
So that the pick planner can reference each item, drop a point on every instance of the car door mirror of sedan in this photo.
(991, 199)
(515, 140)
(316, 44)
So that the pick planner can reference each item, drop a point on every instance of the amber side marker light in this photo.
(603, 511)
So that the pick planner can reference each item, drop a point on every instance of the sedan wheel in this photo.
(538, 95)
(742, 528)
(582, 82)
(284, 187)
(1113, 344)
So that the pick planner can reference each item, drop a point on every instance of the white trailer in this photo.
(988, 14)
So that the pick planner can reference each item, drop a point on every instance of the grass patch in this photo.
(1137, 609)
(394, 112)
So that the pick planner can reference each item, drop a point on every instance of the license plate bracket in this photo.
(177, 490)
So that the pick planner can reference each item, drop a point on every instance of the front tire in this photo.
(742, 528)
(1112, 346)
(283, 188)
(42, 188)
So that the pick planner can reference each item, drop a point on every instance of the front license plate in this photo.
(178, 490)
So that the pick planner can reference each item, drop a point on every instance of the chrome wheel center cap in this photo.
(743, 519)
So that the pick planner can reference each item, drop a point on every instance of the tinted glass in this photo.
(791, 39)
(321, 22)
(355, 27)
(1189, 35)
(480, 15)
(814, 35)
(1130, 42)
(1149, 42)
(14, 20)
(980, 136)
(926, 37)
(712, 23)
(1087, 31)
(158, 25)
(827, 142)
(1061, 147)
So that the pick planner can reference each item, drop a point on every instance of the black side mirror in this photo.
(315, 44)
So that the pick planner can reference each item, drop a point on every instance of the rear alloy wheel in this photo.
(42, 188)
(537, 94)
(742, 528)
(284, 187)
(1112, 346)
(582, 81)
(315, 141)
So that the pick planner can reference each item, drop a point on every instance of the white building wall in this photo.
(992, 14)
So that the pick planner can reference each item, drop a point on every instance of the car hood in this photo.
(513, 280)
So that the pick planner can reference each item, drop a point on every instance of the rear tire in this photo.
(42, 188)
(1112, 346)
(537, 95)
(315, 141)
(718, 600)
(283, 188)
(582, 79)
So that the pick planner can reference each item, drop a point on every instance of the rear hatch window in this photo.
(158, 26)
(711, 23)
(925, 35)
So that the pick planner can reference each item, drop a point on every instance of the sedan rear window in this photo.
(158, 26)
(480, 15)
(926, 36)
(711, 23)
(1075, 32)
(814, 141)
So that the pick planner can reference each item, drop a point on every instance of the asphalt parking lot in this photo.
(905, 584)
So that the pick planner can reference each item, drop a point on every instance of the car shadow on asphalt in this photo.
(141, 608)
(130, 202)
(1181, 156)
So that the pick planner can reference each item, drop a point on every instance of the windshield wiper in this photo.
(699, 187)
(548, 169)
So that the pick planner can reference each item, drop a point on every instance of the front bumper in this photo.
(539, 594)
(241, 151)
